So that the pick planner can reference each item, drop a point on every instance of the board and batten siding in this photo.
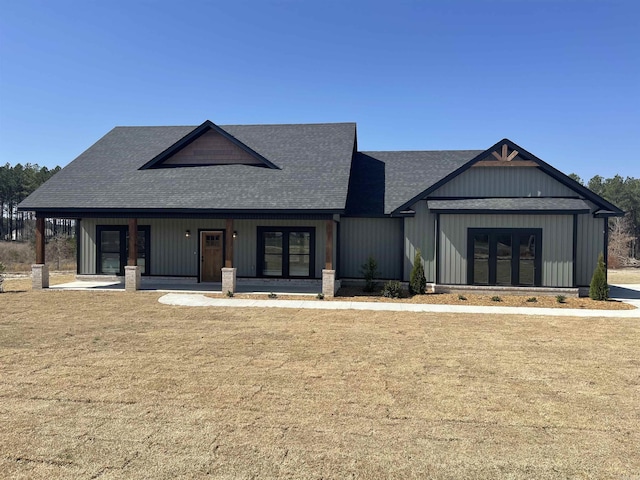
(173, 254)
(557, 244)
(379, 237)
(590, 243)
(420, 233)
(503, 182)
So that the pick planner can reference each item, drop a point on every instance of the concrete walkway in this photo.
(626, 293)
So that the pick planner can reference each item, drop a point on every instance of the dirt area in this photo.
(109, 385)
(355, 294)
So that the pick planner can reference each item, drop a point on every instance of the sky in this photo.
(560, 78)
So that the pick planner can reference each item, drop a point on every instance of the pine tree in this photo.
(417, 280)
(599, 290)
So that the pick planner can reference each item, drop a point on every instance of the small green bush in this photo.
(272, 295)
(496, 298)
(599, 290)
(370, 272)
(532, 300)
(229, 293)
(392, 289)
(461, 297)
(417, 280)
(561, 299)
(320, 296)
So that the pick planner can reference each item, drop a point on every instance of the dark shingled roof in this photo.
(313, 161)
(520, 205)
(381, 182)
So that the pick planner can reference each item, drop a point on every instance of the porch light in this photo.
(235, 234)
(187, 233)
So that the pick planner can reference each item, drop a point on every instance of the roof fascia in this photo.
(485, 211)
(73, 212)
(197, 133)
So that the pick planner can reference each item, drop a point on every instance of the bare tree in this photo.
(620, 241)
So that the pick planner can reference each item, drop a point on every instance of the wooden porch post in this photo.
(40, 229)
(328, 258)
(133, 242)
(228, 256)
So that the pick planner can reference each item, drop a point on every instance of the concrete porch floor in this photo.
(190, 285)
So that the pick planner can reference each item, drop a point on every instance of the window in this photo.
(509, 256)
(113, 249)
(286, 252)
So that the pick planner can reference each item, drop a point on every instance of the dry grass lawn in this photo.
(624, 275)
(110, 385)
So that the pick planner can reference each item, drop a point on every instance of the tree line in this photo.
(624, 232)
(16, 183)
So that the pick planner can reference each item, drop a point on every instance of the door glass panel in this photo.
(299, 254)
(272, 254)
(481, 259)
(110, 252)
(142, 249)
(503, 260)
(527, 259)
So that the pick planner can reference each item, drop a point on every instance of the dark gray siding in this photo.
(504, 182)
(557, 244)
(590, 244)
(420, 234)
(378, 237)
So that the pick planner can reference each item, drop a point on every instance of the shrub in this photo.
(272, 295)
(392, 289)
(417, 280)
(496, 298)
(561, 298)
(229, 293)
(320, 296)
(461, 297)
(532, 300)
(370, 271)
(599, 290)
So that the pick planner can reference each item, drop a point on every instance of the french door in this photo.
(504, 256)
(113, 249)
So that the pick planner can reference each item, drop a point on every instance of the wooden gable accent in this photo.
(211, 148)
(505, 158)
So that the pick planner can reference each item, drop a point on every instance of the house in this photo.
(301, 201)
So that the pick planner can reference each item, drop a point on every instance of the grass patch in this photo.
(111, 382)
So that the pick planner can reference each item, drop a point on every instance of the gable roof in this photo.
(505, 145)
(207, 127)
(312, 174)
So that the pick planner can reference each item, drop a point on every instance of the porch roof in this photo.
(510, 205)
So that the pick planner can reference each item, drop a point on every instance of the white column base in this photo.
(329, 284)
(228, 280)
(132, 278)
(39, 276)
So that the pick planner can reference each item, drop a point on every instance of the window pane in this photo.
(272, 265)
(110, 263)
(299, 265)
(503, 260)
(142, 253)
(481, 259)
(300, 243)
(527, 259)
(110, 241)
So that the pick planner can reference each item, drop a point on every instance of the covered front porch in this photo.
(308, 287)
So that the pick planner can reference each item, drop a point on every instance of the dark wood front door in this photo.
(211, 256)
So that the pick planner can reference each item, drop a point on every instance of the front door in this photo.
(211, 256)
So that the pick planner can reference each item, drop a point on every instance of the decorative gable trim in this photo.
(507, 148)
(163, 160)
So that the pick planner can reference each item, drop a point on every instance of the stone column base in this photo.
(39, 276)
(329, 284)
(228, 280)
(132, 278)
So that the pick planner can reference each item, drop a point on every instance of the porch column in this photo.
(40, 271)
(132, 273)
(329, 284)
(228, 272)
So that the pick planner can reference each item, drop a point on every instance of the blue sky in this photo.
(561, 78)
